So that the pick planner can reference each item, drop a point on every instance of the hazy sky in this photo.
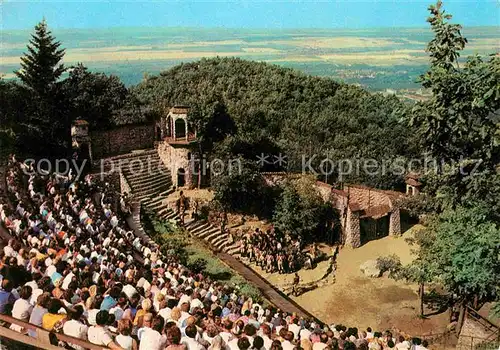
(240, 13)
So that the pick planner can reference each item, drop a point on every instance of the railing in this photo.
(43, 336)
(190, 137)
(476, 343)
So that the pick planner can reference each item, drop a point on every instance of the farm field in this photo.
(377, 59)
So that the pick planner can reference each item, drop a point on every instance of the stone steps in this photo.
(158, 182)
(136, 171)
(153, 183)
(209, 234)
(212, 235)
(151, 187)
(146, 178)
(143, 167)
(199, 229)
(151, 192)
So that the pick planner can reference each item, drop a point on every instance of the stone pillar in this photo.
(189, 176)
(395, 223)
(352, 229)
(173, 128)
(186, 124)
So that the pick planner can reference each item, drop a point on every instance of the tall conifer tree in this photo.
(41, 67)
(45, 124)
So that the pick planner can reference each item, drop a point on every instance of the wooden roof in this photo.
(412, 182)
(413, 175)
(179, 109)
(81, 122)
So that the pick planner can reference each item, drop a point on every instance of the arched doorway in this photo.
(180, 128)
(181, 177)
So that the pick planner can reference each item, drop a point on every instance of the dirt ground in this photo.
(356, 300)
(203, 194)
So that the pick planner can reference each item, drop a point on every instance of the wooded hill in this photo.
(279, 110)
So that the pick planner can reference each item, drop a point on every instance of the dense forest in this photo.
(278, 110)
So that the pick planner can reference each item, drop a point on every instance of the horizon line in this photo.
(240, 28)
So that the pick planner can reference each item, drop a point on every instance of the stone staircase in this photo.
(147, 176)
(212, 235)
(150, 183)
(147, 179)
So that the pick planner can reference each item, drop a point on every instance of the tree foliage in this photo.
(238, 186)
(459, 126)
(102, 100)
(299, 209)
(41, 67)
(460, 249)
(289, 112)
(40, 107)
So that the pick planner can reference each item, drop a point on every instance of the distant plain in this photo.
(378, 59)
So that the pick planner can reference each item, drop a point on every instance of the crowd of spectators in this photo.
(73, 267)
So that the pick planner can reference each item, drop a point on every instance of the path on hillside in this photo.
(272, 294)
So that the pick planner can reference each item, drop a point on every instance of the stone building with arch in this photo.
(176, 144)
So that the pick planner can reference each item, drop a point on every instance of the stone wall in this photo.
(122, 139)
(175, 157)
(352, 229)
(395, 223)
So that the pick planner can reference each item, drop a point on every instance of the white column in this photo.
(185, 121)
(173, 128)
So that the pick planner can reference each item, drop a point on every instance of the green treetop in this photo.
(41, 67)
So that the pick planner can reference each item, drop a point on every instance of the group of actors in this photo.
(273, 251)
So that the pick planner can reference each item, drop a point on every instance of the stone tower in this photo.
(80, 139)
(178, 141)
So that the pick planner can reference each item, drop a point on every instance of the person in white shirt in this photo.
(184, 314)
(124, 339)
(8, 250)
(190, 339)
(226, 333)
(74, 327)
(165, 311)
(152, 338)
(369, 333)
(322, 343)
(265, 334)
(99, 335)
(421, 345)
(185, 298)
(287, 344)
(402, 344)
(22, 308)
(119, 308)
(295, 328)
(67, 280)
(129, 290)
(196, 302)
